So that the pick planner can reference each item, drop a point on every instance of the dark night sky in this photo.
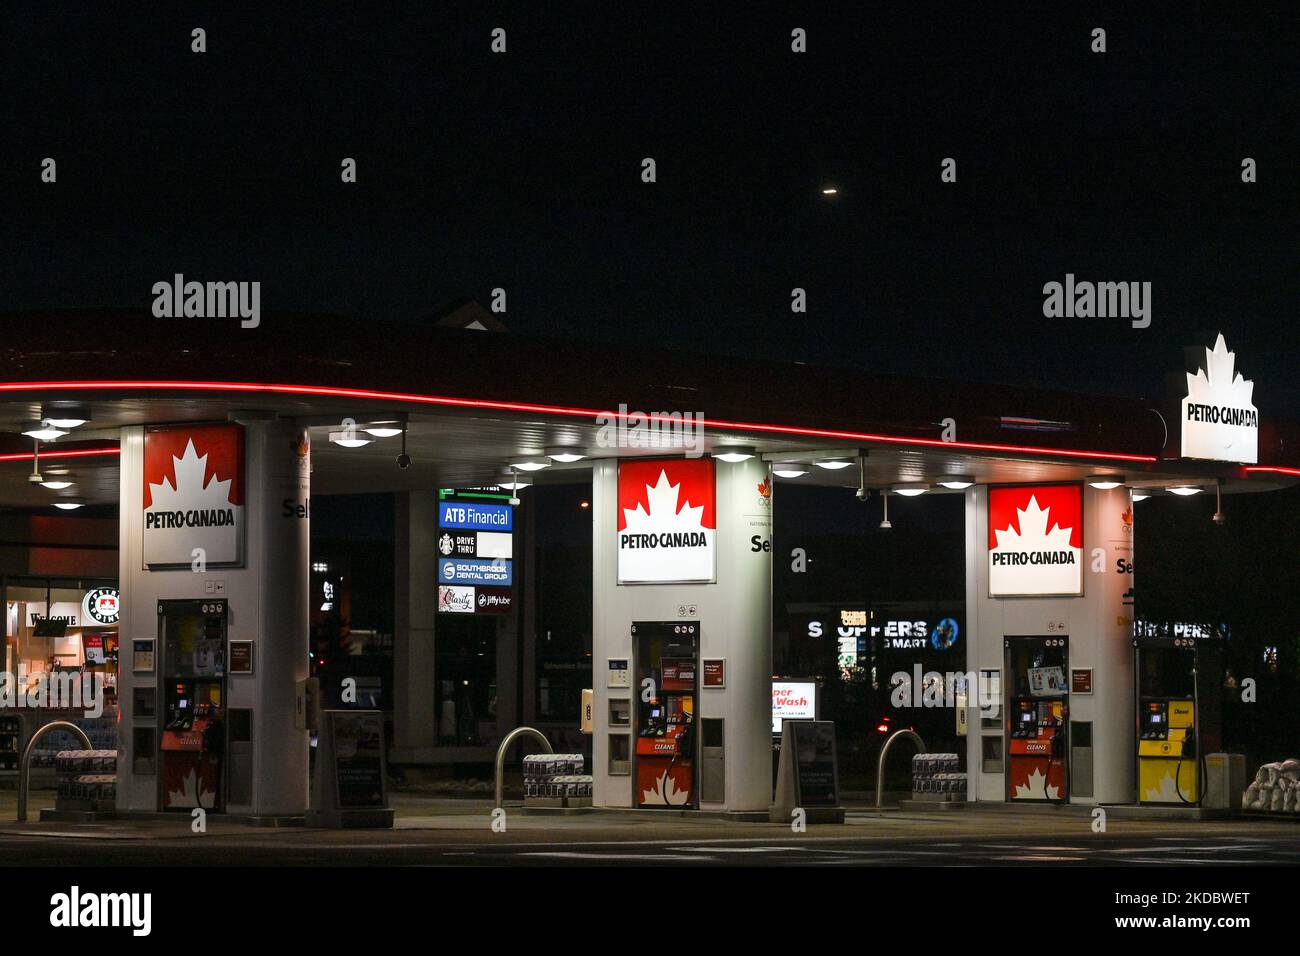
(522, 171)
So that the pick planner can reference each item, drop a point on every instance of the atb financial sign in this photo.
(475, 554)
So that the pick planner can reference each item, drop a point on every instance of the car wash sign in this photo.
(1219, 421)
(475, 553)
(1035, 542)
(667, 527)
(194, 495)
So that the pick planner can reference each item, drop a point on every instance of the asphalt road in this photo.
(890, 840)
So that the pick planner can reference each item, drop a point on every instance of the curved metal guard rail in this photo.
(27, 757)
(880, 765)
(506, 741)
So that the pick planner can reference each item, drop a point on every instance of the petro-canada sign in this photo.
(194, 495)
(1219, 419)
(666, 521)
(1035, 543)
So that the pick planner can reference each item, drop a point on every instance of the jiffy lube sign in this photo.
(194, 495)
(1035, 543)
(666, 521)
(1219, 419)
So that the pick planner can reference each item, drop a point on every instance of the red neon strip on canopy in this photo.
(370, 394)
(71, 453)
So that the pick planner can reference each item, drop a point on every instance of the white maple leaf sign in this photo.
(189, 490)
(1219, 418)
(1036, 787)
(1035, 560)
(191, 514)
(665, 793)
(666, 541)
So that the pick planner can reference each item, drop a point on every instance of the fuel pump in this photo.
(665, 743)
(1037, 715)
(1179, 671)
(193, 733)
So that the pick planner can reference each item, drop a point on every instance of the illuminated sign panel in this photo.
(194, 495)
(1219, 421)
(666, 521)
(1035, 541)
(793, 700)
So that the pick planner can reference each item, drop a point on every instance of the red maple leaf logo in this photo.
(765, 487)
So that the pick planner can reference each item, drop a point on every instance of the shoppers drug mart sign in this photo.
(667, 526)
(1219, 421)
(1035, 542)
(194, 495)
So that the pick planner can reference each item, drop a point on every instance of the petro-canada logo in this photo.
(666, 521)
(1219, 418)
(194, 495)
(102, 605)
(1036, 541)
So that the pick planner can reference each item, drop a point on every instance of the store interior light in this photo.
(734, 454)
(45, 431)
(383, 429)
(789, 471)
(564, 456)
(956, 482)
(69, 504)
(514, 483)
(1104, 482)
(1185, 490)
(56, 484)
(910, 490)
(349, 439)
(833, 464)
(1140, 495)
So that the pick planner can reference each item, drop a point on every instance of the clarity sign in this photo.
(1219, 421)
(1035, 542)
(666, 521)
